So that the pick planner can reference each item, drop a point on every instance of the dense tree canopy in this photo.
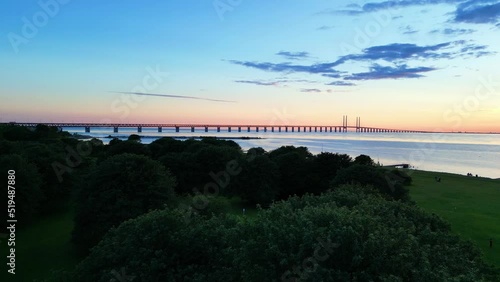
(346, 235)
(121, 187)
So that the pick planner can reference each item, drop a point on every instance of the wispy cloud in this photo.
(310, 90)
(293, 55)
(325, 27)
(478, 12)
(173, 96)
(257, 82)
(467, 11)
(386, 5)
(453, 31)
(386, 72)
(341, 83)
(289, 68)
(408, 30)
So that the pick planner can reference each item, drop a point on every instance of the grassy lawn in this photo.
(42, 248)
(471, 205)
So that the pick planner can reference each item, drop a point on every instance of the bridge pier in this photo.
(265, 129)
(279, 129)
(315, 129)
(298, 128)
(176, 129)
(115, 129)
(272, 129)
(257, 129)
(239, 129)
(139, 129)
(160, 129)
(286, 129)
(206, 128)
(218, 128)
(229, 129)
(192, 129)
(293, 129)
(87, 129)
(248, 129)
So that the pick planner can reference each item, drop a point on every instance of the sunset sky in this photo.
(427, 64)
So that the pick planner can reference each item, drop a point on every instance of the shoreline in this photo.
(183, 137)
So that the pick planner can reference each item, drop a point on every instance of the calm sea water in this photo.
(455, 153)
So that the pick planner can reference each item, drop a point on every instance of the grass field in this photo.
(41, 248)
(471, 205)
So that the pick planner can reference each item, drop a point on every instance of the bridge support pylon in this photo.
(87, 129)
(115, 129)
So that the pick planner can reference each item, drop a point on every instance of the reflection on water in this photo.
(456, 153)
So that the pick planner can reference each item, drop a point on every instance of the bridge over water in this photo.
(230, 127)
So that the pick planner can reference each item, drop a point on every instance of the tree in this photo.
(134, 137)
(258, 182)
(294, 165)
(364, 160)
(131, 147)
(168, 248)
(16, 133)
(46, 132)
(349, 234)
(121, 187)
(324, 168)
(376, 177)
(51, 160)
(165, 145)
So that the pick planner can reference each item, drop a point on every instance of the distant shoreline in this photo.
(186, 137)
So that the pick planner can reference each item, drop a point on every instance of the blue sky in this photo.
(407, 64)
